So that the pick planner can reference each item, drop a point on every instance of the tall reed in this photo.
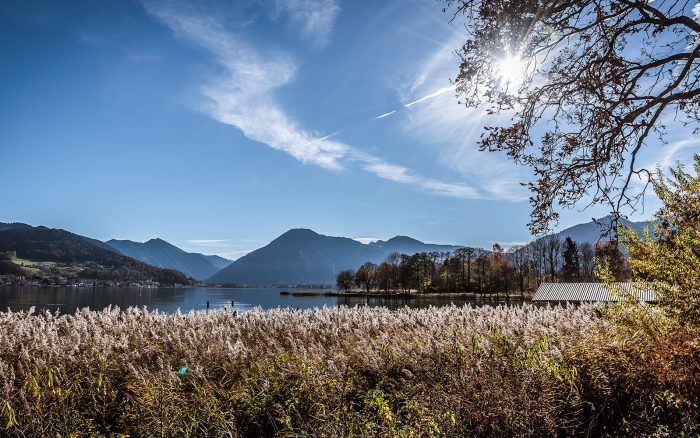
(451, 370)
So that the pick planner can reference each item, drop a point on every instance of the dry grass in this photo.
(454, 371)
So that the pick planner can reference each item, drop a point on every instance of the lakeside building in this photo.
(592, 292)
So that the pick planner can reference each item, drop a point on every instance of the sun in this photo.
(510, 71)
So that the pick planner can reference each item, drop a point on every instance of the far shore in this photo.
(414, 294)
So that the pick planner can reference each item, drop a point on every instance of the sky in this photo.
(217, 126)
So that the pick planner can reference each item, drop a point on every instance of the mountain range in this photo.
(302, 256)
(158, 252)
(299, 256)
(92, 258)
(591, 231)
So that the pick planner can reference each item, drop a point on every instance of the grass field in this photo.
(449, 371)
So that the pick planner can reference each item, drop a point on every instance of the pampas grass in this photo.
(451, 370)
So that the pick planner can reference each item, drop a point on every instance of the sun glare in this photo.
(510, 71)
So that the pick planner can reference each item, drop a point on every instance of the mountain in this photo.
(218, 262)
(94, 259)
(591, 231)
(302, 256)
(409, 245)
(158, 252)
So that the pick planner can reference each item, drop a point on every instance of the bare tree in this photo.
(588, 84)
(519, 259)
(466, 255)
(366, 276)
(394, 260)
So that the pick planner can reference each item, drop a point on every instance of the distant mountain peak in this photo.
(157, 241)
(302, 256)
(300, 232)
(403, 239)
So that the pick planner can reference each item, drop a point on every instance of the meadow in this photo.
(448, 371)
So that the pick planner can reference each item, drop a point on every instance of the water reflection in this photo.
(421, 302)
(68, 299)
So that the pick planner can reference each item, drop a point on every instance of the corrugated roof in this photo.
(591, 292)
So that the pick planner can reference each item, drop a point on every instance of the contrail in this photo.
(422, 99)
(430, 96)
(381, 116)
(332, 134)
(385, 115)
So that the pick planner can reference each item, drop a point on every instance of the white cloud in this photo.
(314, 19)
(366, 240)
(403, 175)
(243, 96)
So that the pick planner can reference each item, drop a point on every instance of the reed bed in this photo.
(448, 371)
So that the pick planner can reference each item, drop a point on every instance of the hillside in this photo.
(591, 232)
(95, 259)
(302, 256)
(158, 252)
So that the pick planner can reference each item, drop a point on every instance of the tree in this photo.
(571, 269)
(497, 272)
(670, 259)
(519, 258)
(466, 255)
(366, 276)
(552, 248)
(345, 279)
(587, 261)
(407, 272)
(394, 260)
(588, 86)
(384, 277)
(608, 254)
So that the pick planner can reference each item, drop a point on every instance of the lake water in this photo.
(68, 299)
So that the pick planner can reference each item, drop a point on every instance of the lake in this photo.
(169, 300)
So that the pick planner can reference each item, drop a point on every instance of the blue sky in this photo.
(219, 125)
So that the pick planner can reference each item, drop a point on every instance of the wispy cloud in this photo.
(403, 175)
(314, 19)
(243, 96)
(671, 152)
